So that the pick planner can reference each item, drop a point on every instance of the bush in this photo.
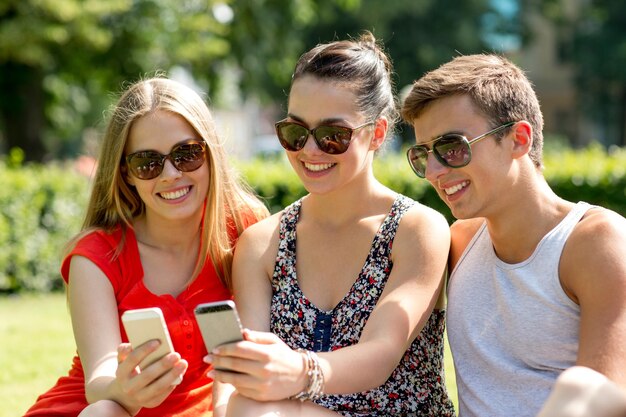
(41, 207)
(590, 174)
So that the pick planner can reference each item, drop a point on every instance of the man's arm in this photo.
(593, 274)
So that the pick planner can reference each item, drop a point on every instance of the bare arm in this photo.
(419, 255)
(96, 329)
(461, 234)
(593, 274)
(273, 371)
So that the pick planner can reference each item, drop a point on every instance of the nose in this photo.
(310, 146)
(434, 168)
(169, 170)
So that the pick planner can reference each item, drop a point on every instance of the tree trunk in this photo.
(22, 109)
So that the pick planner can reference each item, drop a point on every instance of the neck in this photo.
(518, 227)
(171, 236)
(345, 205)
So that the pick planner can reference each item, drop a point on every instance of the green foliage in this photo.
(61, 59)
(591, 175)
(41, 207)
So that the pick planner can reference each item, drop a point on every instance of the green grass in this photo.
(37, 347)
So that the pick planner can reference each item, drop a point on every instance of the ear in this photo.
(522, 134)
(380, 133)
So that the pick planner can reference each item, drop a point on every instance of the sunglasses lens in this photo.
(188, 157)
(145, 165)
(292, 136)
(333, 139)
(418, 156)
(453, 150)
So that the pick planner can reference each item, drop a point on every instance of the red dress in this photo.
(193, 396)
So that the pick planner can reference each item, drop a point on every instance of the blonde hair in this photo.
(229, 201)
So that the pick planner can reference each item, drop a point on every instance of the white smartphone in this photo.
(143, 325)
(219, 323)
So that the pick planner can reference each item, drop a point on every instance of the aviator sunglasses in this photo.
(330, 139)
(451, 150)
(186, 156)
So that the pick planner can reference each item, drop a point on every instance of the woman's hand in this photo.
(150, 386)
(262, 367)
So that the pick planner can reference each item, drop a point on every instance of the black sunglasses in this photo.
(330, 139)
(451, 150)
(186, 156)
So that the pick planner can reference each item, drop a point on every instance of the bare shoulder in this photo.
(595, 248)
(423, 223)
(461, 233)
(260, 237)
(422, 236)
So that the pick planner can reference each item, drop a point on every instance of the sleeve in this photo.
(100, 248)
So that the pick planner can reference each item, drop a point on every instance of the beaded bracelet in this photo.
(315, 384)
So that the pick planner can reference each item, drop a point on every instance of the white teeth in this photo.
(175, 194)
(456, 188)
(317, 167)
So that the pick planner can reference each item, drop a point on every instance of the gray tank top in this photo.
(511, 327)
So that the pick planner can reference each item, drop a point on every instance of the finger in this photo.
(123, 350)
(157, 379)
(265, 338)
(238, 380)
(139, 353)
(237, 364)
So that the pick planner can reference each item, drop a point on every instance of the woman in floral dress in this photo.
(341, 289)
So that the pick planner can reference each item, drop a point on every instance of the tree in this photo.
(418, 35)
(593, 39)
(59, 58)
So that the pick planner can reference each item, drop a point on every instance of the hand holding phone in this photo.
(143, 325)
(219, 323)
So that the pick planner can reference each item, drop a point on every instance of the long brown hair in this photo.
(114, 203)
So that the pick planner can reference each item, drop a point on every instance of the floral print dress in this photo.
(416, 387)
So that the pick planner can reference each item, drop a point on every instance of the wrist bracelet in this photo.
(315, 377)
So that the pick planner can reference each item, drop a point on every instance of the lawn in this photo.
(37, 347)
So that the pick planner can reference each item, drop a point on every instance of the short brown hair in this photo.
(498, 88)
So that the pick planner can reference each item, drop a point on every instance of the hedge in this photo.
(41, 207)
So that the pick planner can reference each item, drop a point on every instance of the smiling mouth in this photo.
(456, 188)
(175, 194)
(317, 167)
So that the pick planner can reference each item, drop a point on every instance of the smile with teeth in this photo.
(317, 167)
(456, 188)
(175, 194)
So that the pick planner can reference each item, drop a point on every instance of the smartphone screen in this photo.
(143, 325)
(219, 323)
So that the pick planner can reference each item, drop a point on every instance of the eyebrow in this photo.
(331, 120)
(440, 136)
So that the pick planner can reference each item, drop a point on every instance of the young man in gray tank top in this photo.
(538, 283)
